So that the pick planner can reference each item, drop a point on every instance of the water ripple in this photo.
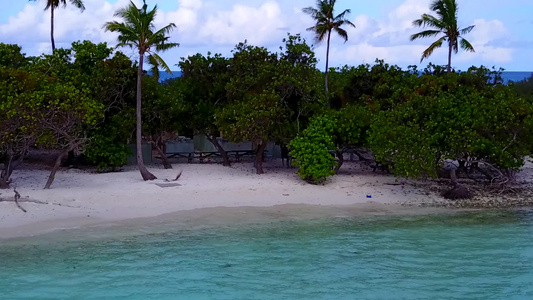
(484, 255)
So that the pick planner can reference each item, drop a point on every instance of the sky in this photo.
(502, 37)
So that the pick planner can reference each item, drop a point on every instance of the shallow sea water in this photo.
(461, 255)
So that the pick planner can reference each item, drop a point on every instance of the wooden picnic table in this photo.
(201, 155)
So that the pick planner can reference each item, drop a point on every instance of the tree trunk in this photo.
(52, 175)
(259, 157)
(327, 64)
(5, 174)
(4, 183)
(458, 191)
(487, 174)
(52, 28)
(162, 154)
(225, 158)
(146, 175)
(9, 166)
(340, 156)
(453, 178)
(450, 57)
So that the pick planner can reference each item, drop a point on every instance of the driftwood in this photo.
(177, 177)
(15, 199)
(18, 199)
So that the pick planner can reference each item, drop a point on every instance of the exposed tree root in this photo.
(458, 192)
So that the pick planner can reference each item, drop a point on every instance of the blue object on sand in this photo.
(368, 196)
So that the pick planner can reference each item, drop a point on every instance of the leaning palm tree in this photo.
(137, 31)
(326, 21)
(54, 4)
(444, 23)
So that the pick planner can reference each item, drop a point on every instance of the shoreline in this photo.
(76, 229)
(79, 198)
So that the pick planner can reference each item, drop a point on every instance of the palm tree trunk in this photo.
(146, 175)
(327, 64)
(450, 57)
(52, 28)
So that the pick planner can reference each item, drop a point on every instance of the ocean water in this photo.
(506, 76)
(461, 255)
(515, 76)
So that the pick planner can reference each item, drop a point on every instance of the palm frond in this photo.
(343, 22)
(78, 4)
(56, 3)
(159, 62)
(425, 34)
(432, 48)
(444, 22)
(466, 30)
(325, 21)
(166, 46)
(166, 30)
(154, 67)
(137, 31)
(465, 45)
(342, 33)
(310, 11)
(342, 15)
(429, 21)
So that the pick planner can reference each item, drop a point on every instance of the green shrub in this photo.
(106, 153)
(310, 151)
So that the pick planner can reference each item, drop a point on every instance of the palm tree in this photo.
(445, 23)
(137, 31)
(54, 4)
(326, 21)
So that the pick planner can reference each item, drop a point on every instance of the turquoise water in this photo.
(475, 255)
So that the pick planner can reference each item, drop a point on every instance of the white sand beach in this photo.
(80, 198)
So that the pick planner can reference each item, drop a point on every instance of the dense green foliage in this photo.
(48, 103)
(457, 117)
(83, 99)
(11, 56)
(268, 95)
(524, 88)
(311, 150)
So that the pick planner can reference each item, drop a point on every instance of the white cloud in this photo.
(259, 25)
(32, 24)
(218, 25)
(185, 18)
(387, 38)
(481, 39)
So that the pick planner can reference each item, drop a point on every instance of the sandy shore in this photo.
(80, 198)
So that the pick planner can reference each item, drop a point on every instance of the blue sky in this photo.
(503, 36)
